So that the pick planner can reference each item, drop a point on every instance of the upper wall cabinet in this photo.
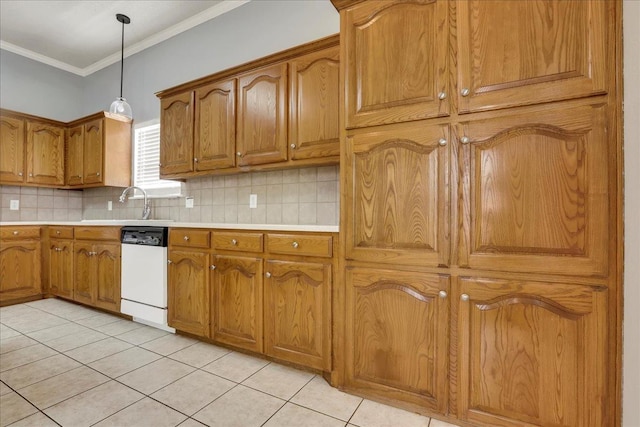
(176, 134)
(314, 105)
(11, 150)
(272, 113)
(45, 154)
(99, 151)
(262, 116)
(397, 68)
(525, 52)
(215, 126)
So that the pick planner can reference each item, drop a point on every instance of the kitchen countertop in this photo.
(169, 223)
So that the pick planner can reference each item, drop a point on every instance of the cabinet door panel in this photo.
(314, 105)
(237, 301)
(397, 190)
(535, 192)
(396, 335)
(215, 137)
(533, 352)
(75, 155)
(188, 305)
(84, 280)
(20, 269)
(176, 134)
(45, 154)
(61, 268)
(397, 61)
(298, 313)
(262, 116)
(524, 52)
(11, 150)
(92, 153)
(107, 267)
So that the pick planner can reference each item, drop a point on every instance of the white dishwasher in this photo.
(144, 275)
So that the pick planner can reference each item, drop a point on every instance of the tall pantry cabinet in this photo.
(480, 209)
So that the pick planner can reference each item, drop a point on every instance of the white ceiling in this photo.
(83, 36)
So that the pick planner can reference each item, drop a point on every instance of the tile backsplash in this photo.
(307, 196)
(40, 204)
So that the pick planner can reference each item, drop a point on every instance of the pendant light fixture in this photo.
(120, 105)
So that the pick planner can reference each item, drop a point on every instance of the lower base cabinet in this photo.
(60, 269)
(531, 353)
(188, 291)
(396, 341)
(298, 312)
(97, 274)
(20, 263)
(237, 301)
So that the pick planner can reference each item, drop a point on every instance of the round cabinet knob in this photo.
(442, 142)
(464, 297)
(15, 233)
(212, 267)
(267, 274)
(30, 174)
(97, 173)
(19, 173)
(185, 238)
(442, 294)
(195, 160)
(239, 154)
(234, 242)
(465, 140)
(57, 231)
(465, 91)
(160, 165)
(442, 95)
(295, 245)
(169, 261)
(293, 146)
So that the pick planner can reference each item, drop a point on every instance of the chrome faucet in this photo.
(146, 211)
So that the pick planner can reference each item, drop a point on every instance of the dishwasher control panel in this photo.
(147, 236)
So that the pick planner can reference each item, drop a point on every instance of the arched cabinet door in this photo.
(516, 52)
(397, 195)
(396, 341)
(11, 150)
(176, 134)
(215, 126)
(531, 353)
(397, 66)
(45, 154)
(535, 191)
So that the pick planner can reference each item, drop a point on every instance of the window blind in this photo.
(146, 169)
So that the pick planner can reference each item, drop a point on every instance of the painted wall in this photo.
(631, 363)
(31, 87)
(254, 30)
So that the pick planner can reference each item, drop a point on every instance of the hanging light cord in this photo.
(122, 60)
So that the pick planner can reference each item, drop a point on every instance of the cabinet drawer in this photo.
(19, 233)
(97, 233)
(189, 238)
(235, 241)
(58, 232)
(300, 244)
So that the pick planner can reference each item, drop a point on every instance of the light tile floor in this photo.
(63, 364)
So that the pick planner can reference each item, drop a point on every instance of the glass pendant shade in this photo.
(121, 106)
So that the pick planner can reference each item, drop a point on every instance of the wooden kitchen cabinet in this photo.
(60, 268)
(215, 126)
(99, 151)
(97, 255)
(20, 263)
(12, 139)
(397, 195)
(176, 135)
(262, 116)
(45, 154)
(536, 191)
(532, 353)
(398, 67)
(514, 53)
(298, 312)
(237, 301)
(314, 95)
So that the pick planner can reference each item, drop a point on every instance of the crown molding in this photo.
(187, 24)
